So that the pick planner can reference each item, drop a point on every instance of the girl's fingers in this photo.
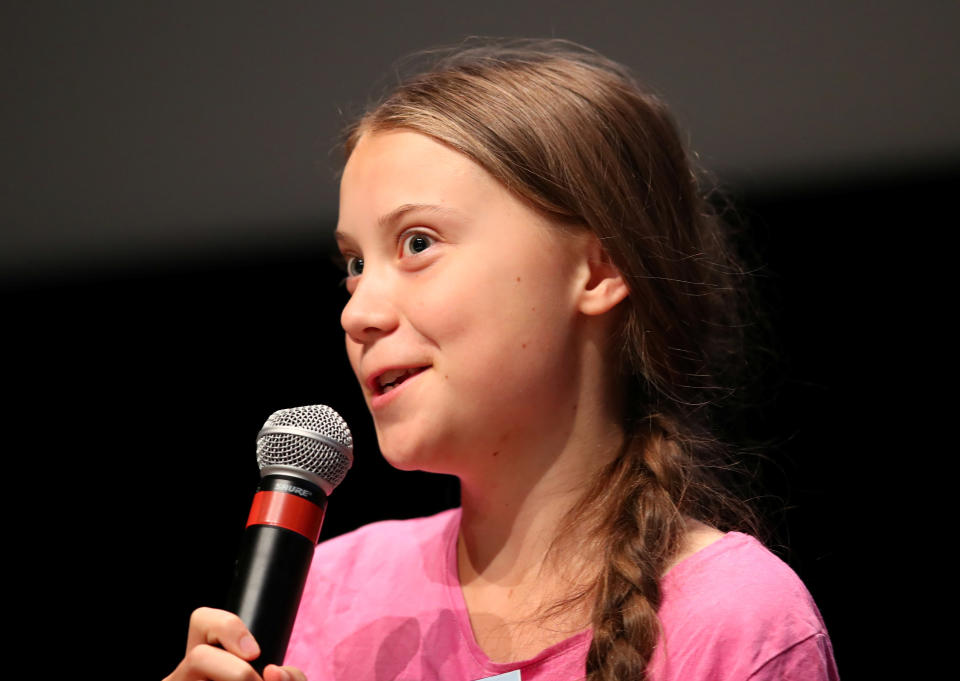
(219, 627)
(274, 673)
(206, 662)
(219, 647)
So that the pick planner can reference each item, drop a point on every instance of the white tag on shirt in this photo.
(509, 676)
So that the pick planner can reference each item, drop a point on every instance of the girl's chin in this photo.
(401, 453)
(413, 462)
(402, 463)
(422, 457)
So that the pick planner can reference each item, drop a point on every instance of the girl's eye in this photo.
(416, 243)
(354, 266)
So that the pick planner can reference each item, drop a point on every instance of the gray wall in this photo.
(139, 131)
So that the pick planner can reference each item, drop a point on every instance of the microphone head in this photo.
(310, 442)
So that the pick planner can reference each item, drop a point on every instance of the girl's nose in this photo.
(369, 314)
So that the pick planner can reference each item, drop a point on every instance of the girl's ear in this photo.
(604, 286)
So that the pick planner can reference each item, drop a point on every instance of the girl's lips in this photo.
(381, 398)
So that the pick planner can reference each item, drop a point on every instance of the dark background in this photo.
(167, 188)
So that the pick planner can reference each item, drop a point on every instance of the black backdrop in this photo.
(135, 396)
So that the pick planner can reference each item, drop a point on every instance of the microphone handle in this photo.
(274, 560)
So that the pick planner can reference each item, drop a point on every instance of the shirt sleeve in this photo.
(809, 660)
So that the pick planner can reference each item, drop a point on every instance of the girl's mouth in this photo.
(389, 380)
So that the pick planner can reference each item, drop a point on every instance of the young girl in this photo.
(544, 305)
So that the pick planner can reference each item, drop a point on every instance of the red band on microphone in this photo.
(287, 511)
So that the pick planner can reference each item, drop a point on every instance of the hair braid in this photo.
(643, 528)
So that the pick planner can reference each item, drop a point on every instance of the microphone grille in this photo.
(312, 439)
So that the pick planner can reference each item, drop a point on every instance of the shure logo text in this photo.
(291, 489)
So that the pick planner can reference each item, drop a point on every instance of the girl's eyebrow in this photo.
(390, 219)
(397, 213)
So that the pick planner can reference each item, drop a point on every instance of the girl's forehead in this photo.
(407, 156)
(390, 170)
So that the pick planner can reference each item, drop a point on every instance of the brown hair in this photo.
(573, 134)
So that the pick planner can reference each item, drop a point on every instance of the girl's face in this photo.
(462, 321)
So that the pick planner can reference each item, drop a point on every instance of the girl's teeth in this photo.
(391, 379)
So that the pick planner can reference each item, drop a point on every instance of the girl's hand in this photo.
(205, 661)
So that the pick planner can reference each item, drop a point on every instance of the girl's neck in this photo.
(512, 518)
(516, 501)
(514, 565)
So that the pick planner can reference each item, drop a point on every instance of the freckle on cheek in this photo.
(523, 345)
(496, 453)
(518, 278)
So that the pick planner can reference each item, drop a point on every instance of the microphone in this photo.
(303, 454)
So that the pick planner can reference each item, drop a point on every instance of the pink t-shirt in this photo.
(384, 603)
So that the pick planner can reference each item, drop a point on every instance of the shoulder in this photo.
(742, 603)
(739, 563)
(697, 537)
(737, 580)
